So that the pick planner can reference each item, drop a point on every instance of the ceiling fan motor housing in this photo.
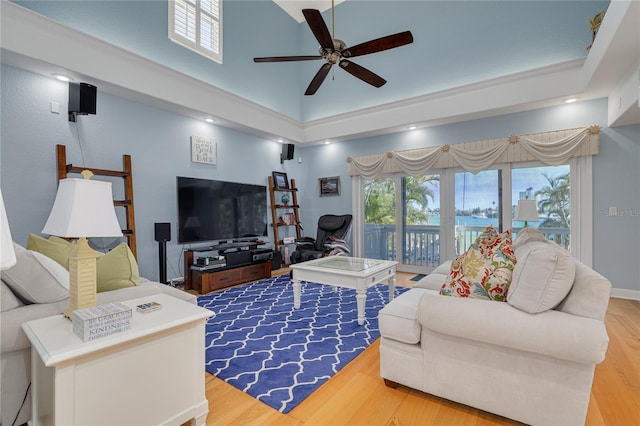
(333, 55)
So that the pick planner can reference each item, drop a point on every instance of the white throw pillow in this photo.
(527, 235)
(36, 278)
(542, 277)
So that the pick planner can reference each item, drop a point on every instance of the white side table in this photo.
(151, 374)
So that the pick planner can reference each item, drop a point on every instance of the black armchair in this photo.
(330, 239)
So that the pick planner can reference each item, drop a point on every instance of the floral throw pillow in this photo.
(484, 271)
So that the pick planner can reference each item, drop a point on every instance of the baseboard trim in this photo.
(621, 293)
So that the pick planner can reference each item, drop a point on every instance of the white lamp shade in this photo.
(83, 208)
(527, 210)
(7, 254)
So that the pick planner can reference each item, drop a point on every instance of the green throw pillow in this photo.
(117, 269)
(54, 248)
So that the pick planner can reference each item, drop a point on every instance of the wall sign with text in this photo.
(203, 150)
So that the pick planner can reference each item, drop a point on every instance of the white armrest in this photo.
(13, 338)
(551, 333)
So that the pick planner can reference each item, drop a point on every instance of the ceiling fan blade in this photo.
(318, 79)
(362, 73)
(286, 58)
(379, 44)
(318, 27)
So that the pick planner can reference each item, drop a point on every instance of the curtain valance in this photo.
(551, 148)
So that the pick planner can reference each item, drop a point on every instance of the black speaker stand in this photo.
(162, 260)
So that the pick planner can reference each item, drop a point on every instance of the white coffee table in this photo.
(151, 374)
(347, 272)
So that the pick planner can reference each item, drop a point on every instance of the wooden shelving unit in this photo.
(277, 208)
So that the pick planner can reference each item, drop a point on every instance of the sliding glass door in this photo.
(550, 186)
(422, 221)
(380, 218)
(477, 205)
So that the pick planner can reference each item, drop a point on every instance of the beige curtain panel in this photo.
(551, 148)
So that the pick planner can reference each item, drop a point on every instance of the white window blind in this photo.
(197, 25)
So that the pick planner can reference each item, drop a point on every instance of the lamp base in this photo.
(82, 277)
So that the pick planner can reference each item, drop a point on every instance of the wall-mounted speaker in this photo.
(163, 231)
(287, 152)
(82, 100)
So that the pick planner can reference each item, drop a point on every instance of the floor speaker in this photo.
(162, 235)
(276, 260)
(163, 231)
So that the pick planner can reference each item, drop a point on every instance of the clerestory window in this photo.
(197, 25)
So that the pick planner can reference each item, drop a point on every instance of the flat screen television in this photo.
(213, 210)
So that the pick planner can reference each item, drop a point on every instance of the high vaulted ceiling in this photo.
(469, 60)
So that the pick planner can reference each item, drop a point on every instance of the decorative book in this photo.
(100, 321)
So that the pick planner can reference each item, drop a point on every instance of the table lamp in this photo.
(83, 209)
(526, 211)
(7, 254)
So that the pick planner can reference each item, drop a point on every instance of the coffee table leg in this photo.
(296, 294)
(361, 300)
(392, 286)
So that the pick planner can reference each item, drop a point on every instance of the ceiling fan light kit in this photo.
(335, 51)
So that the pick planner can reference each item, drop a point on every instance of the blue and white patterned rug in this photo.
(279, 355)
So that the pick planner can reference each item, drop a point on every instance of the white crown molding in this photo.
(515, 92)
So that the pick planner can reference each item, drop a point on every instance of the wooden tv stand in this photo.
(215, 279)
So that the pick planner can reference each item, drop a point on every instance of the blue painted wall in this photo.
(158, 142)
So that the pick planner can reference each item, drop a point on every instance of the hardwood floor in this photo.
(358, 396)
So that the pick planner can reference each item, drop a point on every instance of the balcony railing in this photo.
(422, 242)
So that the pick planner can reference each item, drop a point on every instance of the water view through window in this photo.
(477, 201)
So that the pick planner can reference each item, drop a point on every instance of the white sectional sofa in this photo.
(41, 297)
(533, 363)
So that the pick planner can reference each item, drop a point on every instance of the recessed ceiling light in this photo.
(327, 142)
(413, 127)
(209, 120)
(62, 77)
(570, 100)
(280, 140)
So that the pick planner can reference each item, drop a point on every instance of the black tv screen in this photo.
(213, 210)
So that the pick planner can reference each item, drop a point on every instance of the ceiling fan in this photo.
(335, 51)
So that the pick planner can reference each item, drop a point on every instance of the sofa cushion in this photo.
(527, 235)
(37, 278)
(53, 247)
(433, 281)
(443, 268)
(8, 299)
(542, 278)
(484, 271)
(436, 278)
(117, 269)
(398, 320)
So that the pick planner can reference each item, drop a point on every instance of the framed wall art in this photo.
(329, 186)
(203, 150)
(280, 180)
